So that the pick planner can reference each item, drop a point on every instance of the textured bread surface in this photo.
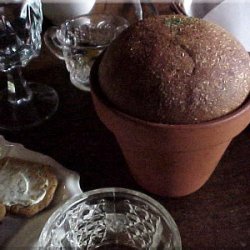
(35, 171)
(2, 211)
(175, 70)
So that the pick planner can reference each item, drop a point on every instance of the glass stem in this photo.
(138, 9)
(18, 91)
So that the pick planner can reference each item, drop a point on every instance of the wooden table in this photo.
(215, 217)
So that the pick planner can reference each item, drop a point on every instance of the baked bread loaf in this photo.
(175, 70)
(2, 211)
(25, 187)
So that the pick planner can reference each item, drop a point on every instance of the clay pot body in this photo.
(169, 160)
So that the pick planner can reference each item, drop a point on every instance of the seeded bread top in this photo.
(175, 70)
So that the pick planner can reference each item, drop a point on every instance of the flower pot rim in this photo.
(97, 92)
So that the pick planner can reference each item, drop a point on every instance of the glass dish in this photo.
(110, 218)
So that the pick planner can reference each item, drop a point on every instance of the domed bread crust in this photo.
(175, 70)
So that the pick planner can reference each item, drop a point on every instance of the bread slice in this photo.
(2, 211)
(26, 187)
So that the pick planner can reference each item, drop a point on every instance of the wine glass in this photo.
(22, 104)
(131, 10)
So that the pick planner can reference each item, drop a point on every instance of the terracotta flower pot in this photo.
(169, 160)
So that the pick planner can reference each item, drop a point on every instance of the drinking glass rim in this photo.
(154, 205)
(122, 22)
(76, 18)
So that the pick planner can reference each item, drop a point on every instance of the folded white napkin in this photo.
(60, 10)
(233, 15)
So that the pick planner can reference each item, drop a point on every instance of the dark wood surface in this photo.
(215, 217)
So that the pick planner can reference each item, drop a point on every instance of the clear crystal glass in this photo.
(81, 40)
(111, 218)
(22, 104)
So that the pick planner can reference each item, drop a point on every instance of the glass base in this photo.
(39, 108)
(85, 86)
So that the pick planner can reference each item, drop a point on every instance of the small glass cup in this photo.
(111, 218)
(80, 40)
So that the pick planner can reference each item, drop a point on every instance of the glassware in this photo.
(80, 40)
(131, 10)
(22, 104)
(111, 218)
